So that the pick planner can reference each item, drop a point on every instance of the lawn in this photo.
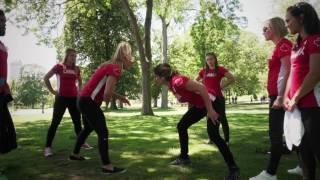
(144, 145)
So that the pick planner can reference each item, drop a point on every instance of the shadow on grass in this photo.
(143, 144)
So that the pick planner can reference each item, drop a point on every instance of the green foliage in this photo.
(240, 52)
(183, 56)
(171, 9)
(211, 31)
(145, 146)
(31, 91)
(95, 31)
(280, 7)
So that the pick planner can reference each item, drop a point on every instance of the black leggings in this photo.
(194, 115)
(221, 104)
(309, 149)
(93, 119)
(59, 107)
(276, 118)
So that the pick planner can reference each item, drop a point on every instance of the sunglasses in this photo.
(265, 29)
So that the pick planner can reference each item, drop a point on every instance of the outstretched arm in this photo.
(196, 87)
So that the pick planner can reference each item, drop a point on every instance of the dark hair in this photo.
(311, 22)
(215, 65)
(1, 12)
(164, 70)
(68, 51)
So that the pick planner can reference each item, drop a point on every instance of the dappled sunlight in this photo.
(145, 145)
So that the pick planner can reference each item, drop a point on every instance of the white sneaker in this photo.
(264, 176)
(296, 171)
(86, 146)
(47, 152)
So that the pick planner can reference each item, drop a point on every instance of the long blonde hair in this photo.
(123, 50)
(278, 26)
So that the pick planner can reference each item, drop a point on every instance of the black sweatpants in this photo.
(309, 149)
(276, 119)
(59, 107)
(223, 118)
(93, 119)
(192, 116)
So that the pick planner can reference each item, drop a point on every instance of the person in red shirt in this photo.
(278, 71)
(303, 87)
(202, 104)
(68, 75)
(8, 140)
(99, 88)
(211, 76)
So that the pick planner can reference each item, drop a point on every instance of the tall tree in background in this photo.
(168, 10)
(280, 7)
(95, 32)
(142, 39)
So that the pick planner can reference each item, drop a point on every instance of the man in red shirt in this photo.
(7, 131)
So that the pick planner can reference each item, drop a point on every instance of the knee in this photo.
(181, 127)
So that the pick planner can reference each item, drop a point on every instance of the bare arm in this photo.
(109, 89)
(79, 84)
(121, 98)
(309, 82)
(199, 79)
(196, 87)
(285, 61)
(230, 80)
(47, 82)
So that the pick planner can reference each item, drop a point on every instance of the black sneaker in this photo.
(180, 161)
(114, 171)
(76, 158)
(233, 175)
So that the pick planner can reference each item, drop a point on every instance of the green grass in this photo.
(144, 145)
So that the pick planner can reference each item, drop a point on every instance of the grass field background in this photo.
(144, 145)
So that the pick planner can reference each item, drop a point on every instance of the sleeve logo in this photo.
(178, 82)
(284, 48)
(117, 71)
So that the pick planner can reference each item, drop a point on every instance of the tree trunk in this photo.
(155, 102)
(164, 90)
(113, 104)
(144, 52)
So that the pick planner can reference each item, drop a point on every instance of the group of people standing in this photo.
(293, 82)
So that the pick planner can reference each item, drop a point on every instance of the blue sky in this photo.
(24, 48)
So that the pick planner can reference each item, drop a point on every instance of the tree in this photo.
(168, 10)
(280, 7)
(95, 33)
(211, 31)
(144, 47)
(30, 91)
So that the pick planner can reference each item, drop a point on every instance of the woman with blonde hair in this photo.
(279, 68)
(68, 76)
(101, 88)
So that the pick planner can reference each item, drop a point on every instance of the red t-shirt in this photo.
(212, 80)
(96, 85)
(300, 68)
(66, 79)
(177, 87)
(276, 73)
(4, 88)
